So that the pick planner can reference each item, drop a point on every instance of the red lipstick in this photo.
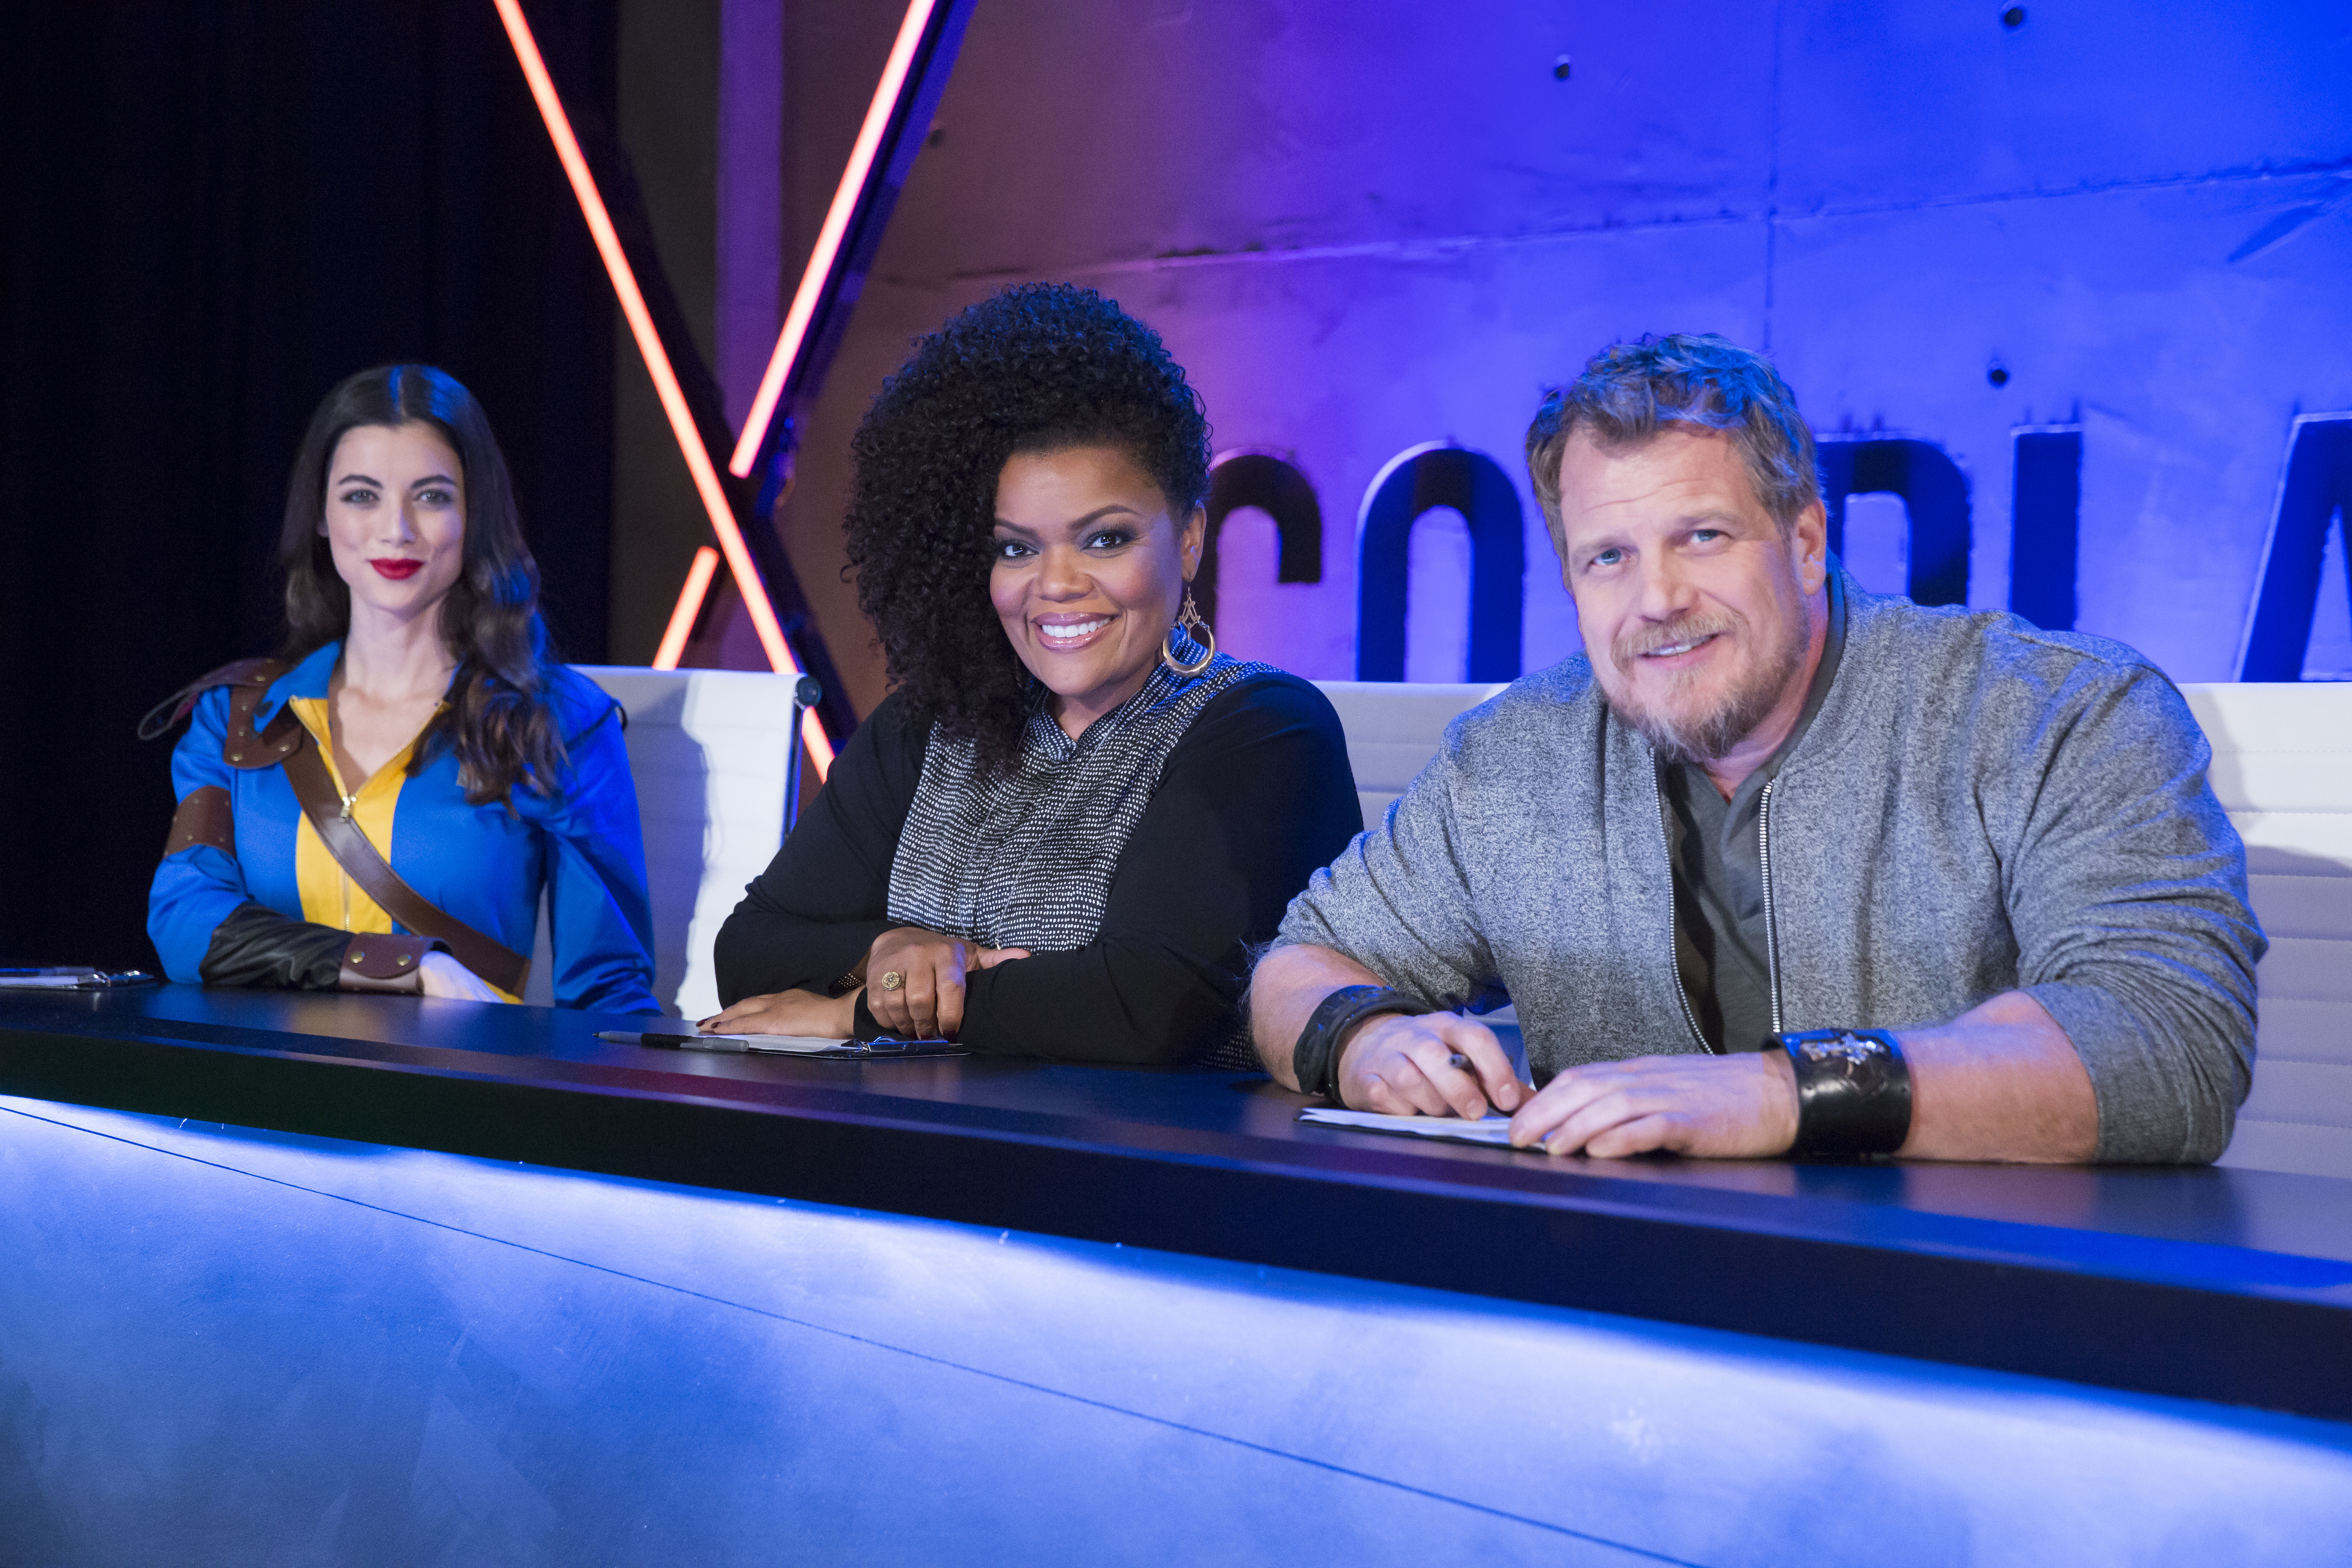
(398, 570)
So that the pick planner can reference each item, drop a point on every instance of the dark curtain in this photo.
(214, 211)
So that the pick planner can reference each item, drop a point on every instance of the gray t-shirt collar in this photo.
(1722, 948)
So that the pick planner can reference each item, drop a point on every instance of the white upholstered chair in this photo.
(707, 750)
(2283, 768)
(1393, 729)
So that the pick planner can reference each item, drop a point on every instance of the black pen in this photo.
(1458, 1060)
(672, 1041)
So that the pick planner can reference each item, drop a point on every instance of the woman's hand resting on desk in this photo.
(442, 975)
(787, 1013)
(927, 1002)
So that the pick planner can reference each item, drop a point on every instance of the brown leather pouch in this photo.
(379, 962)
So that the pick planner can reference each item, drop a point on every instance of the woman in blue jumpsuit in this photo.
(419, 691)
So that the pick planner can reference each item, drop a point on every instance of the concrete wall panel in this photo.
(2120, 310)
(1889, 104)
(1096, 132)
(1368, 226)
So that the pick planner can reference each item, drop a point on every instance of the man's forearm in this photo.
(2000, 1082)
(1290, 982)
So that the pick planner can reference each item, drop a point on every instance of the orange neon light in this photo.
(689, 605)
(656, 358)
(829, 237)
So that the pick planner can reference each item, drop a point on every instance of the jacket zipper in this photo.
(1674, 952)
(1771, 922)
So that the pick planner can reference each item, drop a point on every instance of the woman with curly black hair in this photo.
(1061, 831)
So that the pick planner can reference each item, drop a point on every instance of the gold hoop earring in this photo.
(1189, 624)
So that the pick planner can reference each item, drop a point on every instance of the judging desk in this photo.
(373, 1279)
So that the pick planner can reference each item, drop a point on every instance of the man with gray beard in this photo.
(1777, 865)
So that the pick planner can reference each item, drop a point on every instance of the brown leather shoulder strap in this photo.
(253, 675)
(486, 956)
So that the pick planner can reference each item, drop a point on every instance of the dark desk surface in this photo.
(2212, 1284)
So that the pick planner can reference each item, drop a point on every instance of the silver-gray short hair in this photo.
(1630, 391)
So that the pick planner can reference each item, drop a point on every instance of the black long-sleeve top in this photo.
(1255, 796)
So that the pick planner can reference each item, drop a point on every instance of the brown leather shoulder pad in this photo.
(253, 674)
(246, 672)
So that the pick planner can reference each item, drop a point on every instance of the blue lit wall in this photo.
(238, 1348)
(1372, 225)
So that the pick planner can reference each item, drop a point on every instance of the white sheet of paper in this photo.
(783, 1044)
(1493, 1130)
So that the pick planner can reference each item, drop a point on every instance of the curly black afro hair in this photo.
(1039, 367)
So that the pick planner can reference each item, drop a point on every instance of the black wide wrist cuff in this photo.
(1316, 1057)
(1853, 1091)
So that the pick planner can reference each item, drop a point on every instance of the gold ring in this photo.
(892, 980)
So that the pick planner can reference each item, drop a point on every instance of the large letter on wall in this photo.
(2044, 524)
(1473, 484)
(1934, 491)
(2317, 486)
(1277, 489)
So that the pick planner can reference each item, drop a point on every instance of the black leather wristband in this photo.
(1853, 1091)
(1316, 1057)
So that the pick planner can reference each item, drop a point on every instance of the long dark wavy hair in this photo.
(497, 719)
(1038, 367)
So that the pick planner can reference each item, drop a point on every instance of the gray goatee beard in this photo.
(1706, 737)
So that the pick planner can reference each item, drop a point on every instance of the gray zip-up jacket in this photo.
(1977, 807)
